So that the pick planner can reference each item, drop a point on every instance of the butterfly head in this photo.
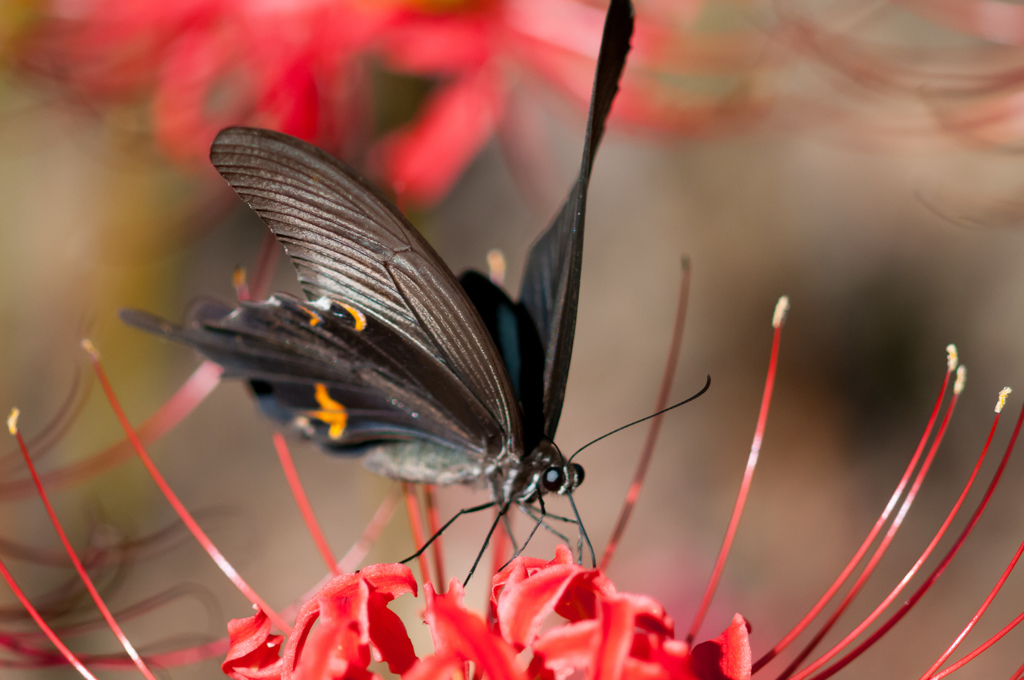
(550, 472)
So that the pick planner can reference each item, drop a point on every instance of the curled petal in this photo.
(334, 649)
(583, 595)
(564, 648)
(727, 657)
(527, 600)
(340, 635)
(388, 580)
(254, 652)
(522, 567)
(466, 636)
(650, 614)
(353, 596)
(609, 647)
(455, 596)
(388, 635)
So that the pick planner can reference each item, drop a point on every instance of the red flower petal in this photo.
(523, 566)
(455, 596)
(727, 657)
(527, 600)
(617, 622)
(565, 647)
(434, 667)
(609, 647)
(422, 160)
(583, 595)
(385, 581)
(467, 636)
(254, 652)
(389, 580)
(437, 45)
(388, 635)
(652, 650)
(334, 649)
(340, 635)
(650, 614)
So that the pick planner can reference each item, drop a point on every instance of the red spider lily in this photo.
(608, 634)
(353, 615)
(302, 68)
(345, 625)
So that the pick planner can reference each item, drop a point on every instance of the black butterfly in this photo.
(433, 379)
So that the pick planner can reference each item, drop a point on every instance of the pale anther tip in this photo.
(90, 348)
(952, 357)
(496, 266)
(781, 307)
(1003, 394)
(961, 379)
(12, 420)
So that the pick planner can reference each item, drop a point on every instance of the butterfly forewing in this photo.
(350, 245)
(551, 280)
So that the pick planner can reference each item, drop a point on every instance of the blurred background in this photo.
(860, 157)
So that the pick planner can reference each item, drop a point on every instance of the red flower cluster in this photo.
(297, 67)
(608, 634)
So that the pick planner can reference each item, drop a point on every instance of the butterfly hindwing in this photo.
(345, 384)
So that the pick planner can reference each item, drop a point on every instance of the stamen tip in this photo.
(781, 307)
(961, 379)
(496, 266)
(1003, 394)
(952, 357)
(91, 349)
(238, 277)
(12, 420)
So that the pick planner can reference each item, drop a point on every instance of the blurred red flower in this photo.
(304, 68)
(300, 67)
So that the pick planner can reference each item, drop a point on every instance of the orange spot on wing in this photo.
(314, 318)
(331, 413)
(358, 316)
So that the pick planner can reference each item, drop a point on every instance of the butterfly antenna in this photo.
(645, 418)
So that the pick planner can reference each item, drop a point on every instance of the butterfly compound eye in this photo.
(553, 479)
(577, 471)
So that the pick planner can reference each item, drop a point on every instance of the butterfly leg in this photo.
(583, 535)
(494, 525)
(511, 536)
(541, 521)
(539, 517)
(548, 515)
(460, 513)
